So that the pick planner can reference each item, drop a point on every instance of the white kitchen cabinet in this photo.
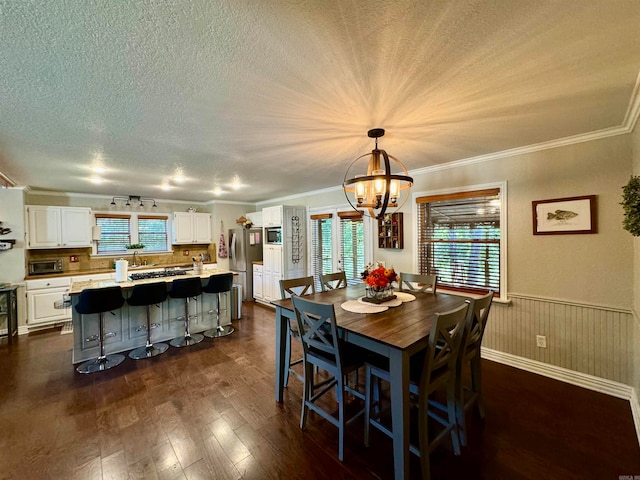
(272, 216)
(271, 272)
(58, 227)
(255, 218)
(42, 296)
(257, 282)
(191, 227)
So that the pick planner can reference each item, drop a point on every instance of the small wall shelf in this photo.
(391, 231)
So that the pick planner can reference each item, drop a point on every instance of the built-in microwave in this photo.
(273, 235)
(43, 266)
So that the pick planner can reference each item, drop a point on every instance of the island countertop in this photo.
(77, 287)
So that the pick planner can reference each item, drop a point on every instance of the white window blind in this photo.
(352, 249)
(115, 232)
(459, 239)
(152, 232)
(322, 246)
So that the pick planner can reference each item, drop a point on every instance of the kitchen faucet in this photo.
(134, 264)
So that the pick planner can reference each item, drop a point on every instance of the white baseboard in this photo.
(602, 385)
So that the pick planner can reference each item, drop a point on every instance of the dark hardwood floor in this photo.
(209, 412)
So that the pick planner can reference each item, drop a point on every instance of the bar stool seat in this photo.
(187, 288)
(146, 295)
(100, 300)
(218, 284)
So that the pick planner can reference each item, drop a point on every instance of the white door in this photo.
(182, 227)
(75, 227)
(202, 228)
(44, 226)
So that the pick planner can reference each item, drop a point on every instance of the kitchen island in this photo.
(128, 324)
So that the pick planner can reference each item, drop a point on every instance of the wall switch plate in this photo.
(185, 253)
(541, 341)
(73, 258)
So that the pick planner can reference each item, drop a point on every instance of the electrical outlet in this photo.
(73, 258)
(185, 253)
(541, 341)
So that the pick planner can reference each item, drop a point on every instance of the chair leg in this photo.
(306, 394)
(188, 338)
(287, 356)
(150, 349)
(103, 362)
(460, 410)
(341, 416)
(451, 411)
(219, 330)
(367, 404)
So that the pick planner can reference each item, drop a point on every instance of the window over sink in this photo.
(118, 230)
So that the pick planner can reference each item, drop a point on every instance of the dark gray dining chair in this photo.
(413, 282)
(331, 281)
(431, 370)
(470, 395)
(322, 348)
(289, 288)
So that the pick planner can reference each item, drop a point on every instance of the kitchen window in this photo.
(118, 230)
(461, 239)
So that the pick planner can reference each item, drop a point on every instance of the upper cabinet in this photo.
(58, 227)
(272, 216)
(191, 227)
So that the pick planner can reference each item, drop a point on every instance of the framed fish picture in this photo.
(565, 216)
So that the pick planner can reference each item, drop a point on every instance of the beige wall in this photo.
(12, 262)
(635, 140)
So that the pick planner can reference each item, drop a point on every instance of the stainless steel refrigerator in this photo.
(245, 247)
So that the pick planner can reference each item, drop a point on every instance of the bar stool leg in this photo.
(150, 349)
(219, 330)
(103, 362)
(188, 339)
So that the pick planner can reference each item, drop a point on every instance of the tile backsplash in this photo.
(182, 254)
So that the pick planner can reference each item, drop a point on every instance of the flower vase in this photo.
(379, 294)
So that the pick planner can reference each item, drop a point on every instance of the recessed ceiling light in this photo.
(96, 180)
(98, 169)
(217, 191)
(235, 182)
(165, 186)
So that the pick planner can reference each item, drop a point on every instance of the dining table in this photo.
(396, 333)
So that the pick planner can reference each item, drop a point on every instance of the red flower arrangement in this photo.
(379, 278)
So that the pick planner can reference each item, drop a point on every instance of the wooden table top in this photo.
(399, 327)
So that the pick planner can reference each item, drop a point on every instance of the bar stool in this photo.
(100, 300)
(146, 295)
(186, 288)
(219, 284)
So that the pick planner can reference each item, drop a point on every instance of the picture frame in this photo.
(561, 216)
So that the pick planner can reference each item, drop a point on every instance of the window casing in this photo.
(338, 242)
(118, 230)
(461, 239)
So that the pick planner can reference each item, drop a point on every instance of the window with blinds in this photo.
(352, 250)
(322, 246)
(152, 232)
(115, 232)
(459, 239)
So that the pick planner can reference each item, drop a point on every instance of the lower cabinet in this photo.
(44, 299)
(257, 282)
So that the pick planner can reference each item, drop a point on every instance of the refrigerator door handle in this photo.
(232, 250)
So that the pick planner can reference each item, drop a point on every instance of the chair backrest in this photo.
(186, 287)
(329, 281)
(444, 344)
(414, 282)
(296, 286)
(97, 300)
(219, 283)
(318, 322)
(148, 294)
(477, 321)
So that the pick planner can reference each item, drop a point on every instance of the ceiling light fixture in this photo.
(378, 189)
(133, 198)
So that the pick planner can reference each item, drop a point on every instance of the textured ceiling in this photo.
(280, 94)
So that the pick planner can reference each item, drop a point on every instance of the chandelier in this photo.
(133, 198)
(378, 189)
